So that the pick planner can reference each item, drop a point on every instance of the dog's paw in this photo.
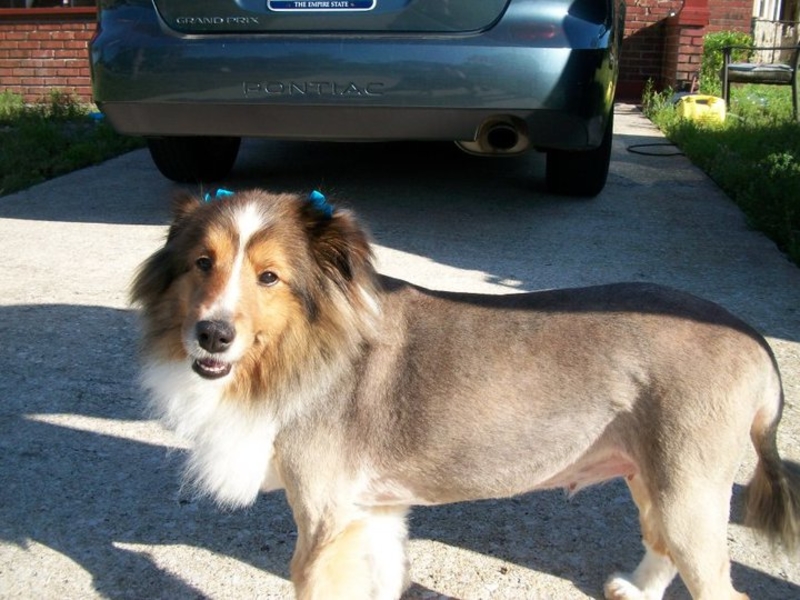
(620, 587)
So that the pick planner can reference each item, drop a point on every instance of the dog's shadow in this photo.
(582, 539)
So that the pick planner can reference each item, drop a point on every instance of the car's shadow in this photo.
(659, 219)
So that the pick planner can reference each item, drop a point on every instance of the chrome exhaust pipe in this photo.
(501, 135)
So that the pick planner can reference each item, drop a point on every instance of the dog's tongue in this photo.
(211, 369)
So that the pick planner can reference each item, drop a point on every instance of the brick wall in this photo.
(44, 52)
(684, 46)
(664, 40)
(730, 15)
(643, 56)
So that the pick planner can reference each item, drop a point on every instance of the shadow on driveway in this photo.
(81, 477)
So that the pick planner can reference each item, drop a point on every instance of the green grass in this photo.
(53, 137)
(754, 156)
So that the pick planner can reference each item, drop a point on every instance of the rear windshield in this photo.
(225, 16)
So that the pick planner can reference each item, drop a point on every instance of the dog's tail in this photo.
(772, 498)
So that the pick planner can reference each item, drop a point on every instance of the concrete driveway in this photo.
(90, 505)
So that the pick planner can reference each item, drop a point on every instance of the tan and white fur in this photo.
(272, 345)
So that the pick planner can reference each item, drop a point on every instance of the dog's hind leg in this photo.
(694, 515)
(684, 531)
(656, 570)
(364, 559)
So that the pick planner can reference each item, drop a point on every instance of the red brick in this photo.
(44, 54)
(39, 35)
(63, 35)
(15, 36)
(23, 72)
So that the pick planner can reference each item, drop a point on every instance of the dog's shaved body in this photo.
(561, 378)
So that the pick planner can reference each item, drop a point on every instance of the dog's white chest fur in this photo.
(231, 455)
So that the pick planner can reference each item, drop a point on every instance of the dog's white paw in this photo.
(620, 587)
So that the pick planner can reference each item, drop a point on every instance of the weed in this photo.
(754, 156)
(51, 137)
(711, 62)
(11, 106)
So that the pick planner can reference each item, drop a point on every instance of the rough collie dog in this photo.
(273, 346)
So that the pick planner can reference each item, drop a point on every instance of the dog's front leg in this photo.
(359, 558)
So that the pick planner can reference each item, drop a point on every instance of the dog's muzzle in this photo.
(215, 337)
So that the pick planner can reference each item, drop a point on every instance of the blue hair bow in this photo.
(220, 194)
(319, 202)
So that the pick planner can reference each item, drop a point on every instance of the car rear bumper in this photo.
(545, 129)
(153, 82)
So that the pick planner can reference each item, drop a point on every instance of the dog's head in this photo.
(248, 286)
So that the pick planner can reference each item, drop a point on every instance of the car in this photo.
(498, 77)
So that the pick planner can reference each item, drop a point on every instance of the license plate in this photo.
(321, 5)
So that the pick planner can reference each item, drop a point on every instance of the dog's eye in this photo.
(204, 263)
(268, 278)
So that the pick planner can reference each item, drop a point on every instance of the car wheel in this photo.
(580, 173)
(194, 159)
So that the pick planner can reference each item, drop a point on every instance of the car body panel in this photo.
(549, 64)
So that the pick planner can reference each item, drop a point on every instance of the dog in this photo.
(271, 344)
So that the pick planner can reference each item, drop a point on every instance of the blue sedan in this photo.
(498, 77)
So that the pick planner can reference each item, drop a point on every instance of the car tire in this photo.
(582, 173)
(194, 159)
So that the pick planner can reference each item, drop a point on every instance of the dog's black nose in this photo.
(215, 336)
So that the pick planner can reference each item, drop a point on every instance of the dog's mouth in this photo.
(210, 368)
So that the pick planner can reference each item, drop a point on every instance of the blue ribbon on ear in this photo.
(319, 202)
(220, 194)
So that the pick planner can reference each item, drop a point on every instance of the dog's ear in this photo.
(339, 244)
(157, 273)
(153, 277)
(183, 205)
